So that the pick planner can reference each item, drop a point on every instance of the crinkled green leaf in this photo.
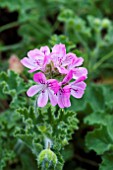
(5, 156)
(8, 120)
(13, 85)
(44, 123)
(41, 125)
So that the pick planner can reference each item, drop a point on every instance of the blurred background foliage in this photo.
(86, 28)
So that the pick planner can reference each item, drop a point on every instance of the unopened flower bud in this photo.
(105, 23)
(64, 142)
(47, 159)
(15, 64)
(97, 21)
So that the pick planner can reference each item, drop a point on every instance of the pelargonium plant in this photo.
(58, 75)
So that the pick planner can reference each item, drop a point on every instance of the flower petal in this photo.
(39, 78)
(33, 90)
(68, 77)
(78, 61)
(53, 85)
(79, 72)
(64, 97)
(63, 101)
(46, 61)
(35, 53)
(67, 102)
(60, 49)
(45, 50)
(66, 91)
(70, 59)
(27, 63)
(77, 89)
(60, 100)
(42, 99)
(82, 78)
(52, 97)
(77, 93)
(62, 70)
(32, 70)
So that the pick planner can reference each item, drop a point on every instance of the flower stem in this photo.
(9, 25)
(19, 147)
(10, 47)
(106, 57)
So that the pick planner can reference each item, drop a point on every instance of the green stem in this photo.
(9, 47)
(9, 25)
(106, 57)
(41, 29)
(19, 147)
(83, 42)
(17, 23)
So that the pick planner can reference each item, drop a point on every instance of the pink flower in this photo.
(64, 96)
(66, 62)
(37, 59)
(58, 57)
(46, 88)
(73, 61)
(78, 87)
(79, 72)
(56, 64)
(64, 92)
(73, 65)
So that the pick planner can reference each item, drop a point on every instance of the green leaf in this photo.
(99, 140)
(46, 126)
(5, 156)
(103, 118)
(43, 122)
(13, 85)
(34, 134)
(96, 118)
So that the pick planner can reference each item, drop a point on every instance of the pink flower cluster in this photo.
(64, 76)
